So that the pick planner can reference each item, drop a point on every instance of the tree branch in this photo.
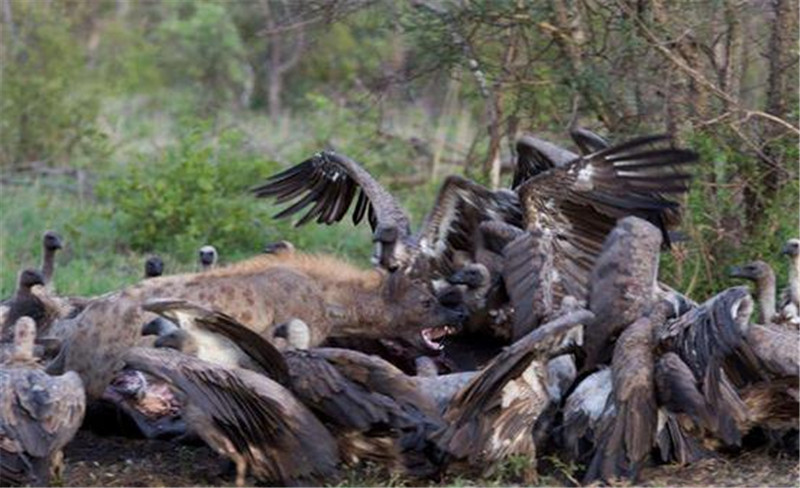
(696, 76)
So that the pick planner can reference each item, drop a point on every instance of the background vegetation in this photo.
(137, 127)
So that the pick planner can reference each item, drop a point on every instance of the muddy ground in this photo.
(92, 460)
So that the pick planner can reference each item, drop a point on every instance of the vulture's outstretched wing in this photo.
(327, 183)
(255, 417)
(535, 156)
(453, 225)
(587, 141)
(261, 351)
(576, 206)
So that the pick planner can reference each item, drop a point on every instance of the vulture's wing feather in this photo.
(579, 204)
(535, 156)
(380, 376)
(458, 212)
(489, 417)
(260, 350)
(510, 363)
(334, 397)
(587, 141)
(327, 183)
(628, 437)
(279, 437)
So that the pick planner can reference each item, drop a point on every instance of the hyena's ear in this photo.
(395, 285)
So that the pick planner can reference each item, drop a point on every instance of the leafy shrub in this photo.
(195, 193)
(47, 108)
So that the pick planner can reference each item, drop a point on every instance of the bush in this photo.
(47, 108)
(195, 193)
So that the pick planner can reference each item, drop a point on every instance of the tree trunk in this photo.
(781, 84)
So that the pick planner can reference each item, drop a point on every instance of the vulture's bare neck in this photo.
(765, 287)
(48, 264)
(794, 279)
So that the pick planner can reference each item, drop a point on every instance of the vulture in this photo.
(566, 203)
(246, 417)
(212, 336)
(153, 267)
(51, 243)
(374, 409)
(569, 210)
(707, 340)
(383, 427)
(627, 437)
(207, 258)
(24, 303)
(585, 410)
(329, 182)
(492, 417)
(762, 275)
(39, 413)
(789, 305)
(622, 284)
(279, 247)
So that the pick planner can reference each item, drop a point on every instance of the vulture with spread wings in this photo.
(570, 209)
(329, 182)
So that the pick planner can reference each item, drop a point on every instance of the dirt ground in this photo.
(92, 460)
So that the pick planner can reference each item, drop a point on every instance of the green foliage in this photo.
(47, 105)
(195, 193)
(200, 47)
(716, 225)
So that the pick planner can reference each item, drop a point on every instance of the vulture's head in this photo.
(51, 241)
(473, 275)
(153, 267)
(755, 271)
(24, 338)
(295, 332)
(792, 248)
(29, 278)
(208, 256)
(279, 247)
(178, 339)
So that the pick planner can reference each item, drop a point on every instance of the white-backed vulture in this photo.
(763, 276)
(628, 436)
(492, 417)
(622, 284)
(39, 413)
(328, 184)
(569, 210)
(707, 339)
(247, 417)
(380, 417)
(789, 305)
(212, 336)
